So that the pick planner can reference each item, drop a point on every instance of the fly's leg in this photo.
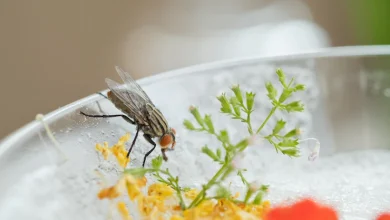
(164, 155)
(132, 144)
(113, 116)
(109, 116)
(149, 139)
(98, 104)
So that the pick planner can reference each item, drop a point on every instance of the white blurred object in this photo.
(192, 33)
(293, 37)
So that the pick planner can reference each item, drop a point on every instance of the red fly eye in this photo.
(165, 140)
(174, 131)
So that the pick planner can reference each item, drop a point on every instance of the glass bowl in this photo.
(348, 106)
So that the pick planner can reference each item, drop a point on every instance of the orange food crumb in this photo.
(108, 193)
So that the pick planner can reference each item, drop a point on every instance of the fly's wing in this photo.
(130, 98)
(132, 85)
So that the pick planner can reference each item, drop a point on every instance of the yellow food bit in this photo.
(177, 217)
(266, 204)
(124, 139)
(236, 195)
(154, 215)
(256, 210)
(141, 182)
(104, 150)
(134, 186)
(127, 182)
(225, 209)
(204, 209)
(146, 204)
(123, 211)
(160, 191)
(118, 150)
(191, 194)
(133, 191)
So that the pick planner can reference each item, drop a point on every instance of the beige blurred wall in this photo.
(55, 52)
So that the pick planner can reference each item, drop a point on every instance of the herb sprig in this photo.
(239, 107)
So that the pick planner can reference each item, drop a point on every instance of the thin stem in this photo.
(273, 143)
(243, 107)
(248, 120)
(218, 138)
(239, 173)
(178, 192)
(291, 81)
(201, 194)
(162, 180)
(248, 195)
(266, 120)
(175, 186)
(203, 197)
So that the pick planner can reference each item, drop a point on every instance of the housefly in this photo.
(140, 111)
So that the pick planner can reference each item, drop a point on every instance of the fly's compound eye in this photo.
(165, 141)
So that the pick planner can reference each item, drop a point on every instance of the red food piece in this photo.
(306, 209)
(384, 216)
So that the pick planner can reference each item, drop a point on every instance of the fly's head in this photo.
(168, 139)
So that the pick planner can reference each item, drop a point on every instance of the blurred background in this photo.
(55, 52)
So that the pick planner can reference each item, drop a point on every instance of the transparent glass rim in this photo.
(347, 51)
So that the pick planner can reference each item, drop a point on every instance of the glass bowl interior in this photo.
(347, 110)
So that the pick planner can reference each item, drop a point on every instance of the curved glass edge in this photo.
(347, 51)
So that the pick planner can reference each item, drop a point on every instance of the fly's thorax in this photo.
(157, 122)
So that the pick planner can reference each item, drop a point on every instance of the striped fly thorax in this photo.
(157, 123)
